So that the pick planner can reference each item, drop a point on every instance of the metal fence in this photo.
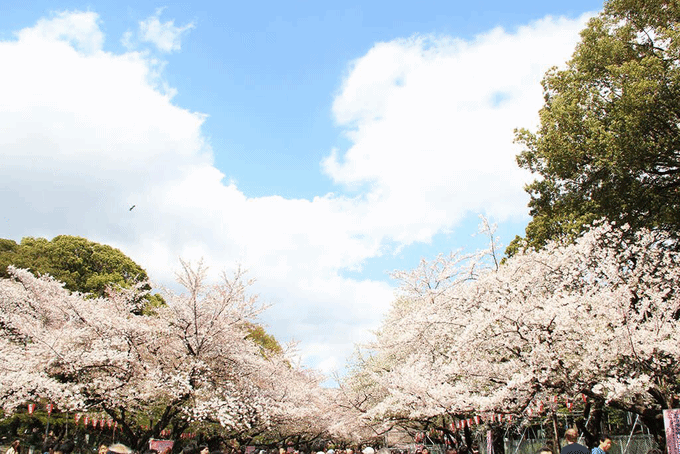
(622, 444)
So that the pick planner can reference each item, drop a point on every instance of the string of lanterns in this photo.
(536, 408)
(99, 421)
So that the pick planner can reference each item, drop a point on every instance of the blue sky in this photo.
(320, 145)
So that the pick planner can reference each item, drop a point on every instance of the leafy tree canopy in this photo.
(608, 143)
(266, 342)
(82, 265)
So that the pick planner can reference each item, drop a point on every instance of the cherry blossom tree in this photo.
(599, 317)
(190, 362)
(299, 408)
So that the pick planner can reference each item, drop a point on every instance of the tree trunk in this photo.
(556, 434)
(467, 433)
(592, 413)
(497, 440)
(654, 422)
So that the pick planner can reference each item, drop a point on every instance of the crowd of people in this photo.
(571, 436)
(69, 446)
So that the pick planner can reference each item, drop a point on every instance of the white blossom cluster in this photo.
(191, 360)
(600, 318)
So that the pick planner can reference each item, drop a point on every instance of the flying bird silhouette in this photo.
(132, 207)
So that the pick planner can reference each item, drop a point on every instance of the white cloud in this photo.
(81, 29)
(86, 134)
(164, 35)
(431, 123)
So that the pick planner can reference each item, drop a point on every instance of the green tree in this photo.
(608, 143)
(266, 342)
(82, 265)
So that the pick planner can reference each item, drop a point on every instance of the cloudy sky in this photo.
(320, 147)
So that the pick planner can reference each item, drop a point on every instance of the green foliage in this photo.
(267, 343)
(608, 144)
(82, 265)
(30, 429)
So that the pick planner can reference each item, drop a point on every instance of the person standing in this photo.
(571, 435)
(604, 446)
(15, 448)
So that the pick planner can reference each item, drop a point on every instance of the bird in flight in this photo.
(132, 207)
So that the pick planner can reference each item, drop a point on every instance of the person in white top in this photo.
(15, 448)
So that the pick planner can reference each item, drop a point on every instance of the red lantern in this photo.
(585, 399)
(49, 408)
(31, 408)
(478, 419)
(77, 417)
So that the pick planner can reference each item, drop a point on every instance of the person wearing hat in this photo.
(368, 450)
